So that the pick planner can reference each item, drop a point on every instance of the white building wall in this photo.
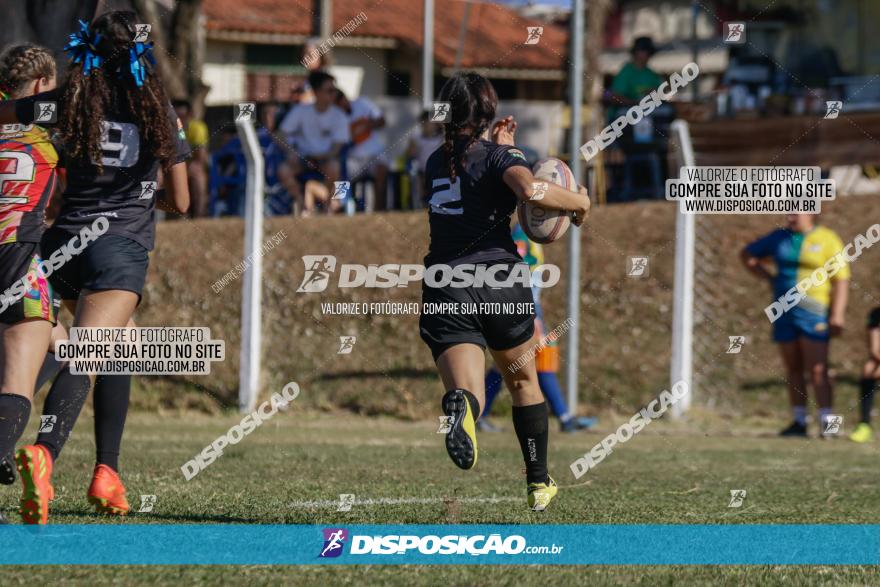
(224, 72)
(360, 71)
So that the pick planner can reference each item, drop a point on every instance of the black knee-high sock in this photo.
(111, 407)
(48, 370)
(530, 423)
(64, 401)
(866, 399)
(14, 413)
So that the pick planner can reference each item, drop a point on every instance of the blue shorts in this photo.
(798, 322)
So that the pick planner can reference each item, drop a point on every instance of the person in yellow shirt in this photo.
(198, 137)
(804, 329)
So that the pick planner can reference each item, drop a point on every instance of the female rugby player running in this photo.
(28, 178)
(473, 187)
(116, 128)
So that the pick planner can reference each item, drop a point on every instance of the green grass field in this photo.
(293, 468)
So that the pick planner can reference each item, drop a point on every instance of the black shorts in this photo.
(499, 331)
(24, 292)
(110, 262)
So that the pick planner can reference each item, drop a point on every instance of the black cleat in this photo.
(461, 440)
(795, 430)
(7, 470)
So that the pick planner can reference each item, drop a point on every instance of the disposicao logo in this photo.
(334, 540)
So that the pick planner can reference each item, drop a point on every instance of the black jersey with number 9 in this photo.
(124, 191)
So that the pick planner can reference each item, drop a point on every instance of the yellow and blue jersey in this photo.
(797, 255)
(531, 252)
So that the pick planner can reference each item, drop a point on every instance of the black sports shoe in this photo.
(796, 429)
(7, 470)
(461, 439)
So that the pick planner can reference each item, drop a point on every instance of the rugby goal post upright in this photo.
(681, 367)
(251, 302)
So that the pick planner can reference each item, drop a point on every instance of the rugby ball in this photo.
(540, 224)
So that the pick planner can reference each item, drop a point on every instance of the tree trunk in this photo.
(45, 22)
(179, 48)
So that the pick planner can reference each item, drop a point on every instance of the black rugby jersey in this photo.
(122, 192)
(470, 219)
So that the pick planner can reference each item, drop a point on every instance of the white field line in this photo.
(383, 501)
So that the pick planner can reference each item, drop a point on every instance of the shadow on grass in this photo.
(134, 517)
(403, 372)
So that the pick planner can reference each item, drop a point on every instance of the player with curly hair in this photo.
(116, 129)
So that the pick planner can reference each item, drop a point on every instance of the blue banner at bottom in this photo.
(149, 544)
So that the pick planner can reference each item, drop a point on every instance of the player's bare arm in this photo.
(522, 182)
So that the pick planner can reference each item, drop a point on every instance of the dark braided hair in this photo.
(472, 101)
(22, 64)
(86, 99)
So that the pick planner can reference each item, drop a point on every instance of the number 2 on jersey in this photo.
(446, 196)
(16, 167)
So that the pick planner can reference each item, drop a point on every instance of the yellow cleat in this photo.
(461, 439)
(862, 433)
(541, 494)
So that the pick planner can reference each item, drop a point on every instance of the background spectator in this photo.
(365, 157)
(197, 136)
(317, 133)
(421, 146)
(639, 142)
(228, 175)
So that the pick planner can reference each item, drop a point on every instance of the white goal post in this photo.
(682, 363)
(251, 298)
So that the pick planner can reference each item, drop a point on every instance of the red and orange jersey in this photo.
(28, 177)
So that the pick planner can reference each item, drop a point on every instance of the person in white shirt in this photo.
(366, 157)
(420, 148)
(316, 132)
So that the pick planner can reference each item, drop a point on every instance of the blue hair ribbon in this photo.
(82, 48)
(141, 61)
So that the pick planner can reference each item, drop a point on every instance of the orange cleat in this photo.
(107, 493)
(34, 464)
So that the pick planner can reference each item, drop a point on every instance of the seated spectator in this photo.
(429, 139)
(197, 166)
(277, 201)
(366, 156)
(316, 132)
(228, 176)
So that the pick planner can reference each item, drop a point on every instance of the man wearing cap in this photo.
(635, 80)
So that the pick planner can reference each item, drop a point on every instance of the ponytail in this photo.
(472, 102)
